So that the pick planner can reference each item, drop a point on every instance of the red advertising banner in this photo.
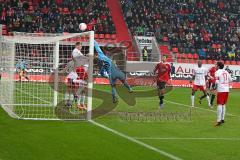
(140, 81)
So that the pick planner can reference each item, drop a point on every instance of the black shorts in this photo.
(161, 85)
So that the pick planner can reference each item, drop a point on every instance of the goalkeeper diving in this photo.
(109, 70)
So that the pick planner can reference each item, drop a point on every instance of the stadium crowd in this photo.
(210, 28)
(55, 16)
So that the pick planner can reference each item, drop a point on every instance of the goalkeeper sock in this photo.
(127, 86)
(114, 92)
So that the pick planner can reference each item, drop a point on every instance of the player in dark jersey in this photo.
(212, 83)
(163, 74)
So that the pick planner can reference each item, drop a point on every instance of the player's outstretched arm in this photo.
(98, 49)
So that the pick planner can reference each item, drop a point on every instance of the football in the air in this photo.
(82, 26)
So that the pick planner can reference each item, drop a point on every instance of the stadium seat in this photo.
(195, 56)
(4, 27)
(178, 55)
(174, 49)
(204, 61)
(238, 62)
(179, 60)
(4, 32)
(107, 36)
(192, 61)
(101, 36)
(189, 56)
(113, 36)
(227, 62)
(169, 60)
(185, 61)
(164, 49)
(96, 36)
(233, 63)
(209, 61)
(184, 56)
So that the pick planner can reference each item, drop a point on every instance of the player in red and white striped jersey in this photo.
(223, 80)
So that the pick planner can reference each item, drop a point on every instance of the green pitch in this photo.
(191, 138)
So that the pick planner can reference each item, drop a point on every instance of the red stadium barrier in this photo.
(132, 81)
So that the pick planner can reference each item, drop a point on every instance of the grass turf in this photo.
(22, 139)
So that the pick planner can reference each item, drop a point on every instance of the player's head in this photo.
(220, 65)
(164, 59)
(199, 63)
(78, 45)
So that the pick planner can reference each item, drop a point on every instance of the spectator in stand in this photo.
(202, 54)
(145, 54)
(189, 25)
(56, 16)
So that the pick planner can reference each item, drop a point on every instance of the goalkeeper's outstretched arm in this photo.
(101, 55)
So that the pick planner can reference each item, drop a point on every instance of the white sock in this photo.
(66, 96)
(83, 99)
(208, 100)
(192, 99)
(223, 112)
(79, 99)
(71, 97)
(219, 113)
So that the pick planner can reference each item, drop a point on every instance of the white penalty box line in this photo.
(185, 105)
(187, 138)
(195, 107)
(132, 139)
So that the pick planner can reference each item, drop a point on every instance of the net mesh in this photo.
(34, 69)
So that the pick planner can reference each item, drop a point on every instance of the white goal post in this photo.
(34, 69)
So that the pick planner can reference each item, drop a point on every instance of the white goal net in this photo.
(35, 72)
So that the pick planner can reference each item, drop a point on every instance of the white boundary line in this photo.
(185, 105)
(178, 138)
(199, 108)
(171, 156)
